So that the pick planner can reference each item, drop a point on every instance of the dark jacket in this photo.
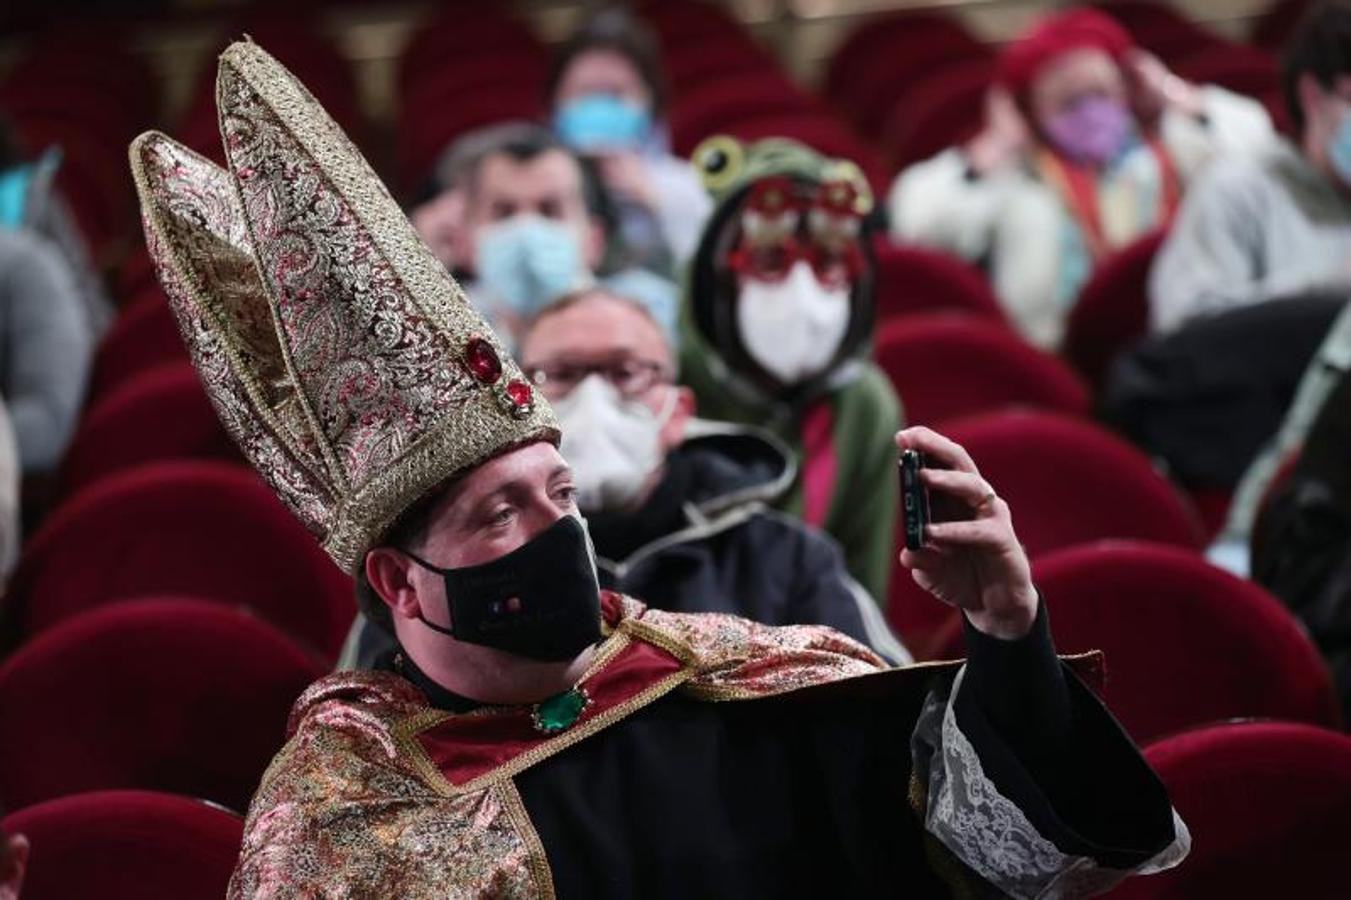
(707, 541)
(1302, 540)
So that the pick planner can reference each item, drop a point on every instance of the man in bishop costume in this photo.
(535, 736)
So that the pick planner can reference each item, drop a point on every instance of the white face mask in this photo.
(613, 445)
(792, 328)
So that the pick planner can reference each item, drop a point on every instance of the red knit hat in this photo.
(1053, 37)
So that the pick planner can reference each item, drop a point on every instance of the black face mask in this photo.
(540, 601)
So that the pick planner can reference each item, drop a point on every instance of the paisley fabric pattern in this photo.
(349, 807)
(329, 338)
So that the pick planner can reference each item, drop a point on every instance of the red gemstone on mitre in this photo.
(520, 393)
(482, 360)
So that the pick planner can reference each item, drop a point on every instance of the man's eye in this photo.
(502, 516)
(567, 494)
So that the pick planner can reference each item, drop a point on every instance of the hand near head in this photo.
(13, 864)
(1155, 88)
(976, 565)
(1005, 137)
(625, 174)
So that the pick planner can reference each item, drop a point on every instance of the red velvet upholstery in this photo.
(945, 366)
(1274, 26)
(160, 414)
(143, 336)
(1186, 643)
(699, 112)
(1267, 804)
(914, 279)
(886, 76)
(458, 32)
(202, 529)
(944, 109)
(171, 695)
(892, 34)
(1069, 481)
(1112, 309)
(128, 845)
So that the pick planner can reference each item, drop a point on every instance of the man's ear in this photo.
(388, 572)
(13, 864)
(673, 432)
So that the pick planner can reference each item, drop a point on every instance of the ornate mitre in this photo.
(334, 346)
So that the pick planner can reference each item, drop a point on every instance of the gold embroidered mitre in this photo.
(334, 346)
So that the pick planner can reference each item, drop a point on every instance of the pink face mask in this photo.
(1093, 131)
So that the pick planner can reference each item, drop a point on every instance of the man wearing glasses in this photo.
(678, 509)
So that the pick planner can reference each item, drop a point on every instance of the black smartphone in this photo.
(914, 498)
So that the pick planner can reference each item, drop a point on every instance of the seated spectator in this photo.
(29, 200)
(608, 94)
(45, 348)
(676, 508)
(1278, 224)
(13, 863)
(1330, 362)
(532, 228)
(1088, 144)
(1302, 542)
(1206, 398)
(778, 323)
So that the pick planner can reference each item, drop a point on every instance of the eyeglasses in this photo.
(631, 377)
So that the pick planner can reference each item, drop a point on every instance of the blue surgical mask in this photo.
(14, 196)
(528, 261)
(600, 122)
(1339, 148)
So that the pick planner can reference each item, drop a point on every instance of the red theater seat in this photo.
(710, 108)
(160, 414)
(128, 845)
(201, 529)
(914, 279)
(1186, 643)
(168, 695)
(1267, 804)
(1069, 481)
(890, 35)
(1112, 309)
(945, 366)
(943, 110)
(143, 336)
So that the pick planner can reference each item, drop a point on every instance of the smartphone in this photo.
(914, 498)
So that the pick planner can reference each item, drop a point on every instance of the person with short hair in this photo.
(1277, 224)
(679, 509)
(535, 735)
(609, 96)
(532, 228)
(1089, 143)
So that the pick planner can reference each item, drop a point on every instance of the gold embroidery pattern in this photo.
(354, 806)
(329, 338)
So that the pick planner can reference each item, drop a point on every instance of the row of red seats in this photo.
(914, 81)
(1265, 802)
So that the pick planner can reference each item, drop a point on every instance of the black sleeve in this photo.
(1049, 745)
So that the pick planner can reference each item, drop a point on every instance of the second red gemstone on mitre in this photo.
(482, 360)
(520, 393)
